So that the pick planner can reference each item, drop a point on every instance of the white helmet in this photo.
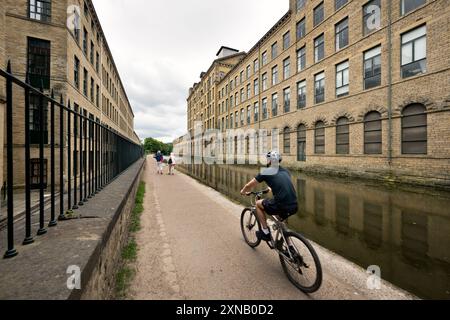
(274, 156)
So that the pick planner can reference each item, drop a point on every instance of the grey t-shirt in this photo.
(281, 184)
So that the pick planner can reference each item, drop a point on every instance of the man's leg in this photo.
(261, 214)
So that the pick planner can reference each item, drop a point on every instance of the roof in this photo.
(225, 47)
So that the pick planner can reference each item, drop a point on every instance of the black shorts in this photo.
(274, 209)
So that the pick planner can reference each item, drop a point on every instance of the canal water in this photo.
(403, 230)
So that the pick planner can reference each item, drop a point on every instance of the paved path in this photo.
(191, 247)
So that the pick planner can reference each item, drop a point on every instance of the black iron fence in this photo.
(85, 155)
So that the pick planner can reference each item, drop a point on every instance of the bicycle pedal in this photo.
(270, 244)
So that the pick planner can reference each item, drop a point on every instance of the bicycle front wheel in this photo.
(249, 226)
(301, 263)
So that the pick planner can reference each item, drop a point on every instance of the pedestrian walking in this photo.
(159, 160)
(172, 164)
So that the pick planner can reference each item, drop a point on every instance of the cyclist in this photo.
(284, 203)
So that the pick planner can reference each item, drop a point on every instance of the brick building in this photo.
(353, 86)
(60, 46)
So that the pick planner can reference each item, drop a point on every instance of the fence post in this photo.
(52, 222)
(11, 252)
(42, 229)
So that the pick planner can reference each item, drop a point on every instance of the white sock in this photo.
(266, 231)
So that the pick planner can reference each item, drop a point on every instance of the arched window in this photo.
(287, 140)
(301, 143)
(414, 129)
(373, 140)
(319, 143)
(342, 136)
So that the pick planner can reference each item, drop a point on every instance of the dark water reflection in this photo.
(405, 231)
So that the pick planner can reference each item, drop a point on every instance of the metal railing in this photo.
(97, 153)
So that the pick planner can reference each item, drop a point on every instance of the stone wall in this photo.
(101, 284)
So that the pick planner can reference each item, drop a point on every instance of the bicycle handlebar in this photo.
(258, 193)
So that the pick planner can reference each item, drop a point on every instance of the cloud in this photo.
(160, 48)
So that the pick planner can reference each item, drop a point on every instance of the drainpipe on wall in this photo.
(389, 97)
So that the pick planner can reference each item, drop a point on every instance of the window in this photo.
(236, 97)
(301, 94)
(85, 83)
(318, 14)
(287, 68)
(92, 90)
(287, 99)
(339, 3)
(410, 5)
(248, 72)
(34, 120)
(39, 63)
(256, 111)
(231, 101)
(274, 105)
(231, 121)
(97, 63)
(373, 133)
(414, 129)
(319, 87)
(287, 140)
(242, 95)
(85, 41)
(301, 29)
(236, 119)
(264, 58)
(98, 96)
(256, 87)
(301, 59)
(274, 75)
(35, 173)
(248, 91)
(249, 115)
(301, 143)
(372, 68)
(40, 10)
(255, 66)
(242, 117)
(300, 4)
(264, 108)
(274, 50)
(342, 136)
(286, 40)
(371, 16)
(76, 72)
(342, 79)
(319, 138)
(414, 52)
(264, 81)
(341, 34)
(92, 53)
(319, 48)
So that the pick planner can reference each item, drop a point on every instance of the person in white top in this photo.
(172, 164)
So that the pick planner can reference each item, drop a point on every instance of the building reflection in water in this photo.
(404, 231)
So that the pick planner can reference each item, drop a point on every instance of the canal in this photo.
(403, 230)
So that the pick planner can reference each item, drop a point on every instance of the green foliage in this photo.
(135, 225)
(152, 146)
(127, 271)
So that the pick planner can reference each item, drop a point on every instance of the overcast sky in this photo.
(160, 47)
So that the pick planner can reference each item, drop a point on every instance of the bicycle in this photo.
(304, 263)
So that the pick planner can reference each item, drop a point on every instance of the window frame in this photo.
(322, 16)
(45, 14)
(373, 75)
(319, 143)
(413, 46)
(344, 30)
(343, 84)
(322, 84)
(345, 133)
(300, 86)
(317, 45)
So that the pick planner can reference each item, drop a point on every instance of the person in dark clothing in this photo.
(284, 203)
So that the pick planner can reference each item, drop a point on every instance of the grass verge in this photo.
(126, 273)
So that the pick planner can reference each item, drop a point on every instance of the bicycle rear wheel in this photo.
(249, 226)
(301, 263)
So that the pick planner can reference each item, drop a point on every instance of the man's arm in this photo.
(249, 187)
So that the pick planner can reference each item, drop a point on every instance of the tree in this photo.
(152, 146)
